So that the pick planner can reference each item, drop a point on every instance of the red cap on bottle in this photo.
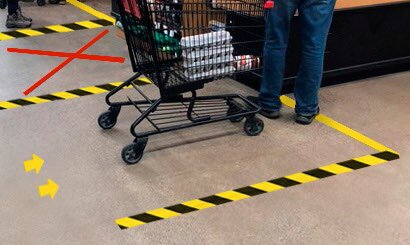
(269, 4)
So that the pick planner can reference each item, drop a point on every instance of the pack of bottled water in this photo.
(207, 55)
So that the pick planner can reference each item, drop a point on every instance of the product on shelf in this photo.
(252, 8)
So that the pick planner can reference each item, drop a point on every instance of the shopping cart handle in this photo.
(269, 4)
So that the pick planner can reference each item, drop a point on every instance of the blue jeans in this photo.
(315, 18)
(12, 6)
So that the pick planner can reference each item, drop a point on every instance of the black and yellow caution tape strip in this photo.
(66, 95)
(84, 7)
(341, 128)
(256, 189)
(80, 25)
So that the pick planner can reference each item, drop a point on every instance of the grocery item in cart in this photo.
(246, 62)
(132, 8)
(167, 16)
(215, 54)
(208, 71)
(215, 25)
(195, 42)
(168, 12)
(207, 55)
(164, 42)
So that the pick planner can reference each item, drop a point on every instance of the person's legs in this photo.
(315, 20)
(20, 13)
(13, 6)
(3, 4)
(277, 34)
(15, 18)
(61, 2)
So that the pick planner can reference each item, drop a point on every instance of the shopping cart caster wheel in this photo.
(132, 153)
(234, 110)
(3, 4)
(253, 126)
(118, 24)
(41, 2)
(107, 120)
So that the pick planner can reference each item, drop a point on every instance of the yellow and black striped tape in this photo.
(65, 95)
(256, 189)
(80, 25)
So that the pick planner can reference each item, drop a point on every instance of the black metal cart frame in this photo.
(169, 70)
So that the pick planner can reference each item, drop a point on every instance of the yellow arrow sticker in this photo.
(35, 164)
(49, 189)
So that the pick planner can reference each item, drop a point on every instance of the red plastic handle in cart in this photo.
(269, 4)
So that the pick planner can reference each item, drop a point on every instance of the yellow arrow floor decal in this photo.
(49, 189)
(35, 164)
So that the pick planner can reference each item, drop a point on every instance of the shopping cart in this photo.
(180, 45)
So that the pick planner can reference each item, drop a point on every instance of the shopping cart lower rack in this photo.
(181, 45)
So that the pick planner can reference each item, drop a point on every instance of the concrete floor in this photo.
(370, 206)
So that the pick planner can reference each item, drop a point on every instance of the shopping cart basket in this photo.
(180, 45)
